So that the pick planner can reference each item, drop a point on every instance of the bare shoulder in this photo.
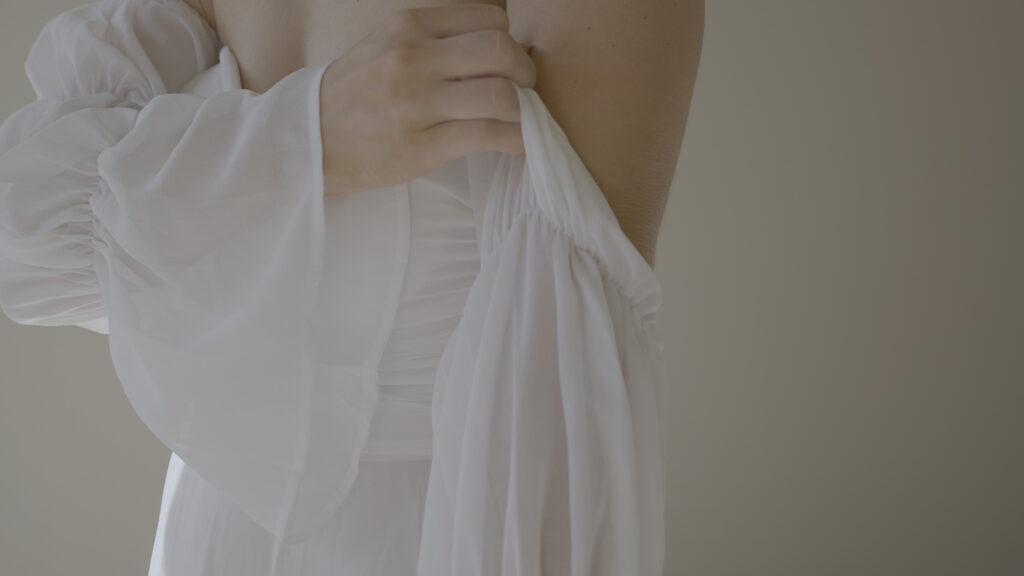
(618, 78)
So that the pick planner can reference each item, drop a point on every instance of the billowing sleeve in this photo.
(548, 404)
(190, 229)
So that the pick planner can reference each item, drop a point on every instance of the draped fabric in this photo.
(194, 226)
(547, 417)
(146, 196)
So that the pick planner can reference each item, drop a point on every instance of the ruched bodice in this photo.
(443, 260)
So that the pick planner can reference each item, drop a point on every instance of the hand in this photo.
(428, 86)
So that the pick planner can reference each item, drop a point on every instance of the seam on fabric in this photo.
(532, 211)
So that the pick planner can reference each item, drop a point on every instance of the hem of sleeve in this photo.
(317, 205)
(316, 520)
(345, 482)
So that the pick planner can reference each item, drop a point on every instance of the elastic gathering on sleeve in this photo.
(92, 67)
(48, 173)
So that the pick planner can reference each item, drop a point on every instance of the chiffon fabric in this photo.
(458, 375)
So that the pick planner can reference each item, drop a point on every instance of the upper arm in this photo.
(618, 78)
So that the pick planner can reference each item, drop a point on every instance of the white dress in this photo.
(458, 375)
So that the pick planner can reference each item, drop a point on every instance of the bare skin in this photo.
(429, 86)
(616, 75)
(273, 38)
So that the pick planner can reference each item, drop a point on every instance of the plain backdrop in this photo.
(841, 264)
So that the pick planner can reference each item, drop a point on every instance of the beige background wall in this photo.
(842, 270)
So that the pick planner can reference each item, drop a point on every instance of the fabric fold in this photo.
(547, 408)
(191, 229)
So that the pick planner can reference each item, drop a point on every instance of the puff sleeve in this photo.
(548, 407)
(190, 229)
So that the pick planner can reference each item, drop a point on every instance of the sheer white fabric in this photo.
(376, 529)
(284, 346)
(547, 412)
(196, 225)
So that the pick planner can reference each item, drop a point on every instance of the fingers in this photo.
(491, 97)
(458, 138)
(479, 53)
(469, 65)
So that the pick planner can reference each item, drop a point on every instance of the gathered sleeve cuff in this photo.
(92, 68)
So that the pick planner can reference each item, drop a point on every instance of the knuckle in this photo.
(401, 59)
